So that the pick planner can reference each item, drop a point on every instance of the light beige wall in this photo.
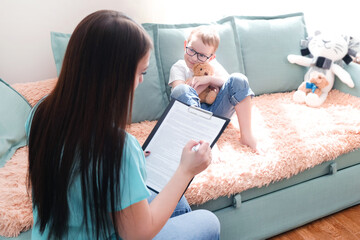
(25, 25)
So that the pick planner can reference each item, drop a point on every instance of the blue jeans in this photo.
(234, 90)
(185, 224)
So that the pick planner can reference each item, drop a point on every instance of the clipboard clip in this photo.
(200, 112)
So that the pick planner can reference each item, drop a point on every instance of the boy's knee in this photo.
(180, 90)
(186, 94)
(239, 81)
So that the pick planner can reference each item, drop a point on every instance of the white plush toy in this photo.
(326, 52)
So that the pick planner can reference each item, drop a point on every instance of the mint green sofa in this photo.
(257, 47)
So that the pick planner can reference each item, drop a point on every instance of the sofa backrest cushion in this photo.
(255, 46)
(265, 43)
(150, 98)
(14, 110)
(59, 42)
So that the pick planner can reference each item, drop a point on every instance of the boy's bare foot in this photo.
(252, 143)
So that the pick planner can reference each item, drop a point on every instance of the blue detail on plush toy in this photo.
(311, 86)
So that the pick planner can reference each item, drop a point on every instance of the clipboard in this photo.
(177, 125)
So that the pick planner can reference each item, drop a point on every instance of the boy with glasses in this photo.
(234, 93)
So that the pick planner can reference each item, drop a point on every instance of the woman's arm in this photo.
(142, 220)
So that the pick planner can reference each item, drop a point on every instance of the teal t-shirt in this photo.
(132, 189)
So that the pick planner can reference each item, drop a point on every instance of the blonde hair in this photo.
(208, 34)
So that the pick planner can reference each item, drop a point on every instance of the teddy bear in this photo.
(315, 85)
(209, 94)
(326, 53)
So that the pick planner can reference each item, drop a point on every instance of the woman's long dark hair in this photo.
(78, 130)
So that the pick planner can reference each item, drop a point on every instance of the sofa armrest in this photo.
(354, 70)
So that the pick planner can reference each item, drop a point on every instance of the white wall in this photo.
(25, 25)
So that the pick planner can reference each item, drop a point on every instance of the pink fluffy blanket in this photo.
(297, 137)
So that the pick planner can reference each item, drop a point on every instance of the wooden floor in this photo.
(343, 225)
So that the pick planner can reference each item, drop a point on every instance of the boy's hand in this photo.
(189, 81)
(199, 83)
(196, 82)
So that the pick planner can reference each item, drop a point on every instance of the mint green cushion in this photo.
(150, 97)
(14, 110)
(265, 43)
(354, 70)
(59, 42)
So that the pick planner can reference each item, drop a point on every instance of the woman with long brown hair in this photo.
(86, 173)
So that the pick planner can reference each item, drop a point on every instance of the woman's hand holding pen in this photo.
(194, 161)
(195, 157)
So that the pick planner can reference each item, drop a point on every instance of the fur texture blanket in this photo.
(297, 137)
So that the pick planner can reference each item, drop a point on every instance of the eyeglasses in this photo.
(201, 57)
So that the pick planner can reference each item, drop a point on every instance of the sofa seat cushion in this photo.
(34, 91)
(15, 202)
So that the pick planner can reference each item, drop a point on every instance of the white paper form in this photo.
(180, 124)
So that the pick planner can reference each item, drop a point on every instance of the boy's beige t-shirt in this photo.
(180, 71)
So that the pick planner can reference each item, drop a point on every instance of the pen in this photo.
(196, 147)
